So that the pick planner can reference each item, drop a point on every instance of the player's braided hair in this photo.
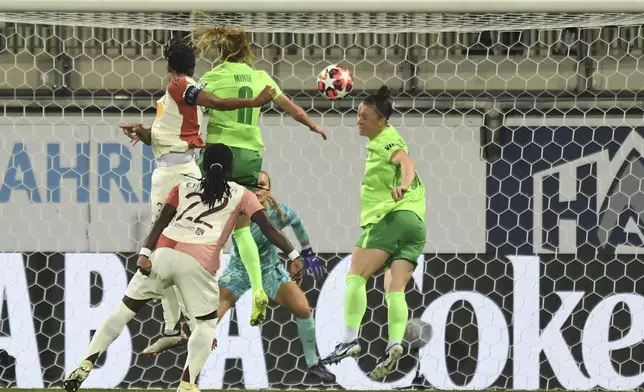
(272, 201)
(180, 55)
(218, 164)
(381, 101)
(226, 43)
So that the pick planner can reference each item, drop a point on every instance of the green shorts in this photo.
(400, 233)
(246, 166)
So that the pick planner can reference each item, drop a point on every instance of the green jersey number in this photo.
(245, 115)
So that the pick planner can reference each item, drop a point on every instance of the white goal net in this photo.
(525, 128)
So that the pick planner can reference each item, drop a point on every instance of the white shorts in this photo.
(165, 178)
(197, 286)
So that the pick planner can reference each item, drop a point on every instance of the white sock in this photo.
(199, 347)
(171, 311)
(349, 334)
(110, 329)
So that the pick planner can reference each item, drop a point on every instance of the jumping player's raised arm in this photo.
(299, 114)
(182, 91)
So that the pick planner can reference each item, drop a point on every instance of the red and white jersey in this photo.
(201, 231)
(177, 125)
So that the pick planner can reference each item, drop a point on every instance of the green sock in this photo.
(250, 256)
(306, 330)
(397, 316)
(355, 306)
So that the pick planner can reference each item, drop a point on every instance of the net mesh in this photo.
(526, 130)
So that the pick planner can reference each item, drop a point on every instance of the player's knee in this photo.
(302, 311)
(300, 306)
(210, 319)
(133, 304)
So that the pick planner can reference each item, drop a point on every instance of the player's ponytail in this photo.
(382, 102)
(217, 163)
(224, 44)
(271, 200)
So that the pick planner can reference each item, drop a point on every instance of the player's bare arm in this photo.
(407, 169)
(209, 101)
(300, 115)
(165, 217)
(274, 235)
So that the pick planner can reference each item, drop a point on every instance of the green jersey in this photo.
(236, 128)
(382, 176)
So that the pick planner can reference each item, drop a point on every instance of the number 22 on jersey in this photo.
(202, 212)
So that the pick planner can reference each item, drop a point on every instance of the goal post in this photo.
(524, 122)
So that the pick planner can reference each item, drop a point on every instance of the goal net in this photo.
(525, 127)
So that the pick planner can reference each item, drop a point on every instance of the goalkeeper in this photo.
(392, 212)
(234, 282)
(239, 130)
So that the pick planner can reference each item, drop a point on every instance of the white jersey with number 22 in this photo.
(201, 231)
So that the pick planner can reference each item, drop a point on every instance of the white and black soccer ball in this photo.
(417, 333)
(335, 82)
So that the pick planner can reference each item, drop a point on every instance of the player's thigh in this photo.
(154, 285)
(197, 286)
(411, 238)
(234, 279)
(273, 278)
(373, 249)
(291, 296)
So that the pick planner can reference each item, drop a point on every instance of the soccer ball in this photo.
(417, 333)
(335, 82)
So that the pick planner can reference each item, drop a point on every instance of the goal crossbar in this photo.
(329, 6)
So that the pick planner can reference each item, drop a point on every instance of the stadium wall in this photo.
(532, 277)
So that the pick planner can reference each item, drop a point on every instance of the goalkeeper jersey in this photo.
(381, 177)
(176, 127)
(236, 128)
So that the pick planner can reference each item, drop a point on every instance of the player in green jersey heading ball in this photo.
(392, 215)
(239, 130)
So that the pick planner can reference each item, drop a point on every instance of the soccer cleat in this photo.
(76, 378)
(387, 363)
(260, 301)
(166, 343)
(187, 387)
(342, 351)
(321, 372)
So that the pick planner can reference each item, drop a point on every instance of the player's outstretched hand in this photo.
(319, 130)
(266, 96)
(297, 270)
(312, 265)
(129, 130)
(144, 264)
(398, 193)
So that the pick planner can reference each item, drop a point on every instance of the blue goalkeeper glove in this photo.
(312, 266)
